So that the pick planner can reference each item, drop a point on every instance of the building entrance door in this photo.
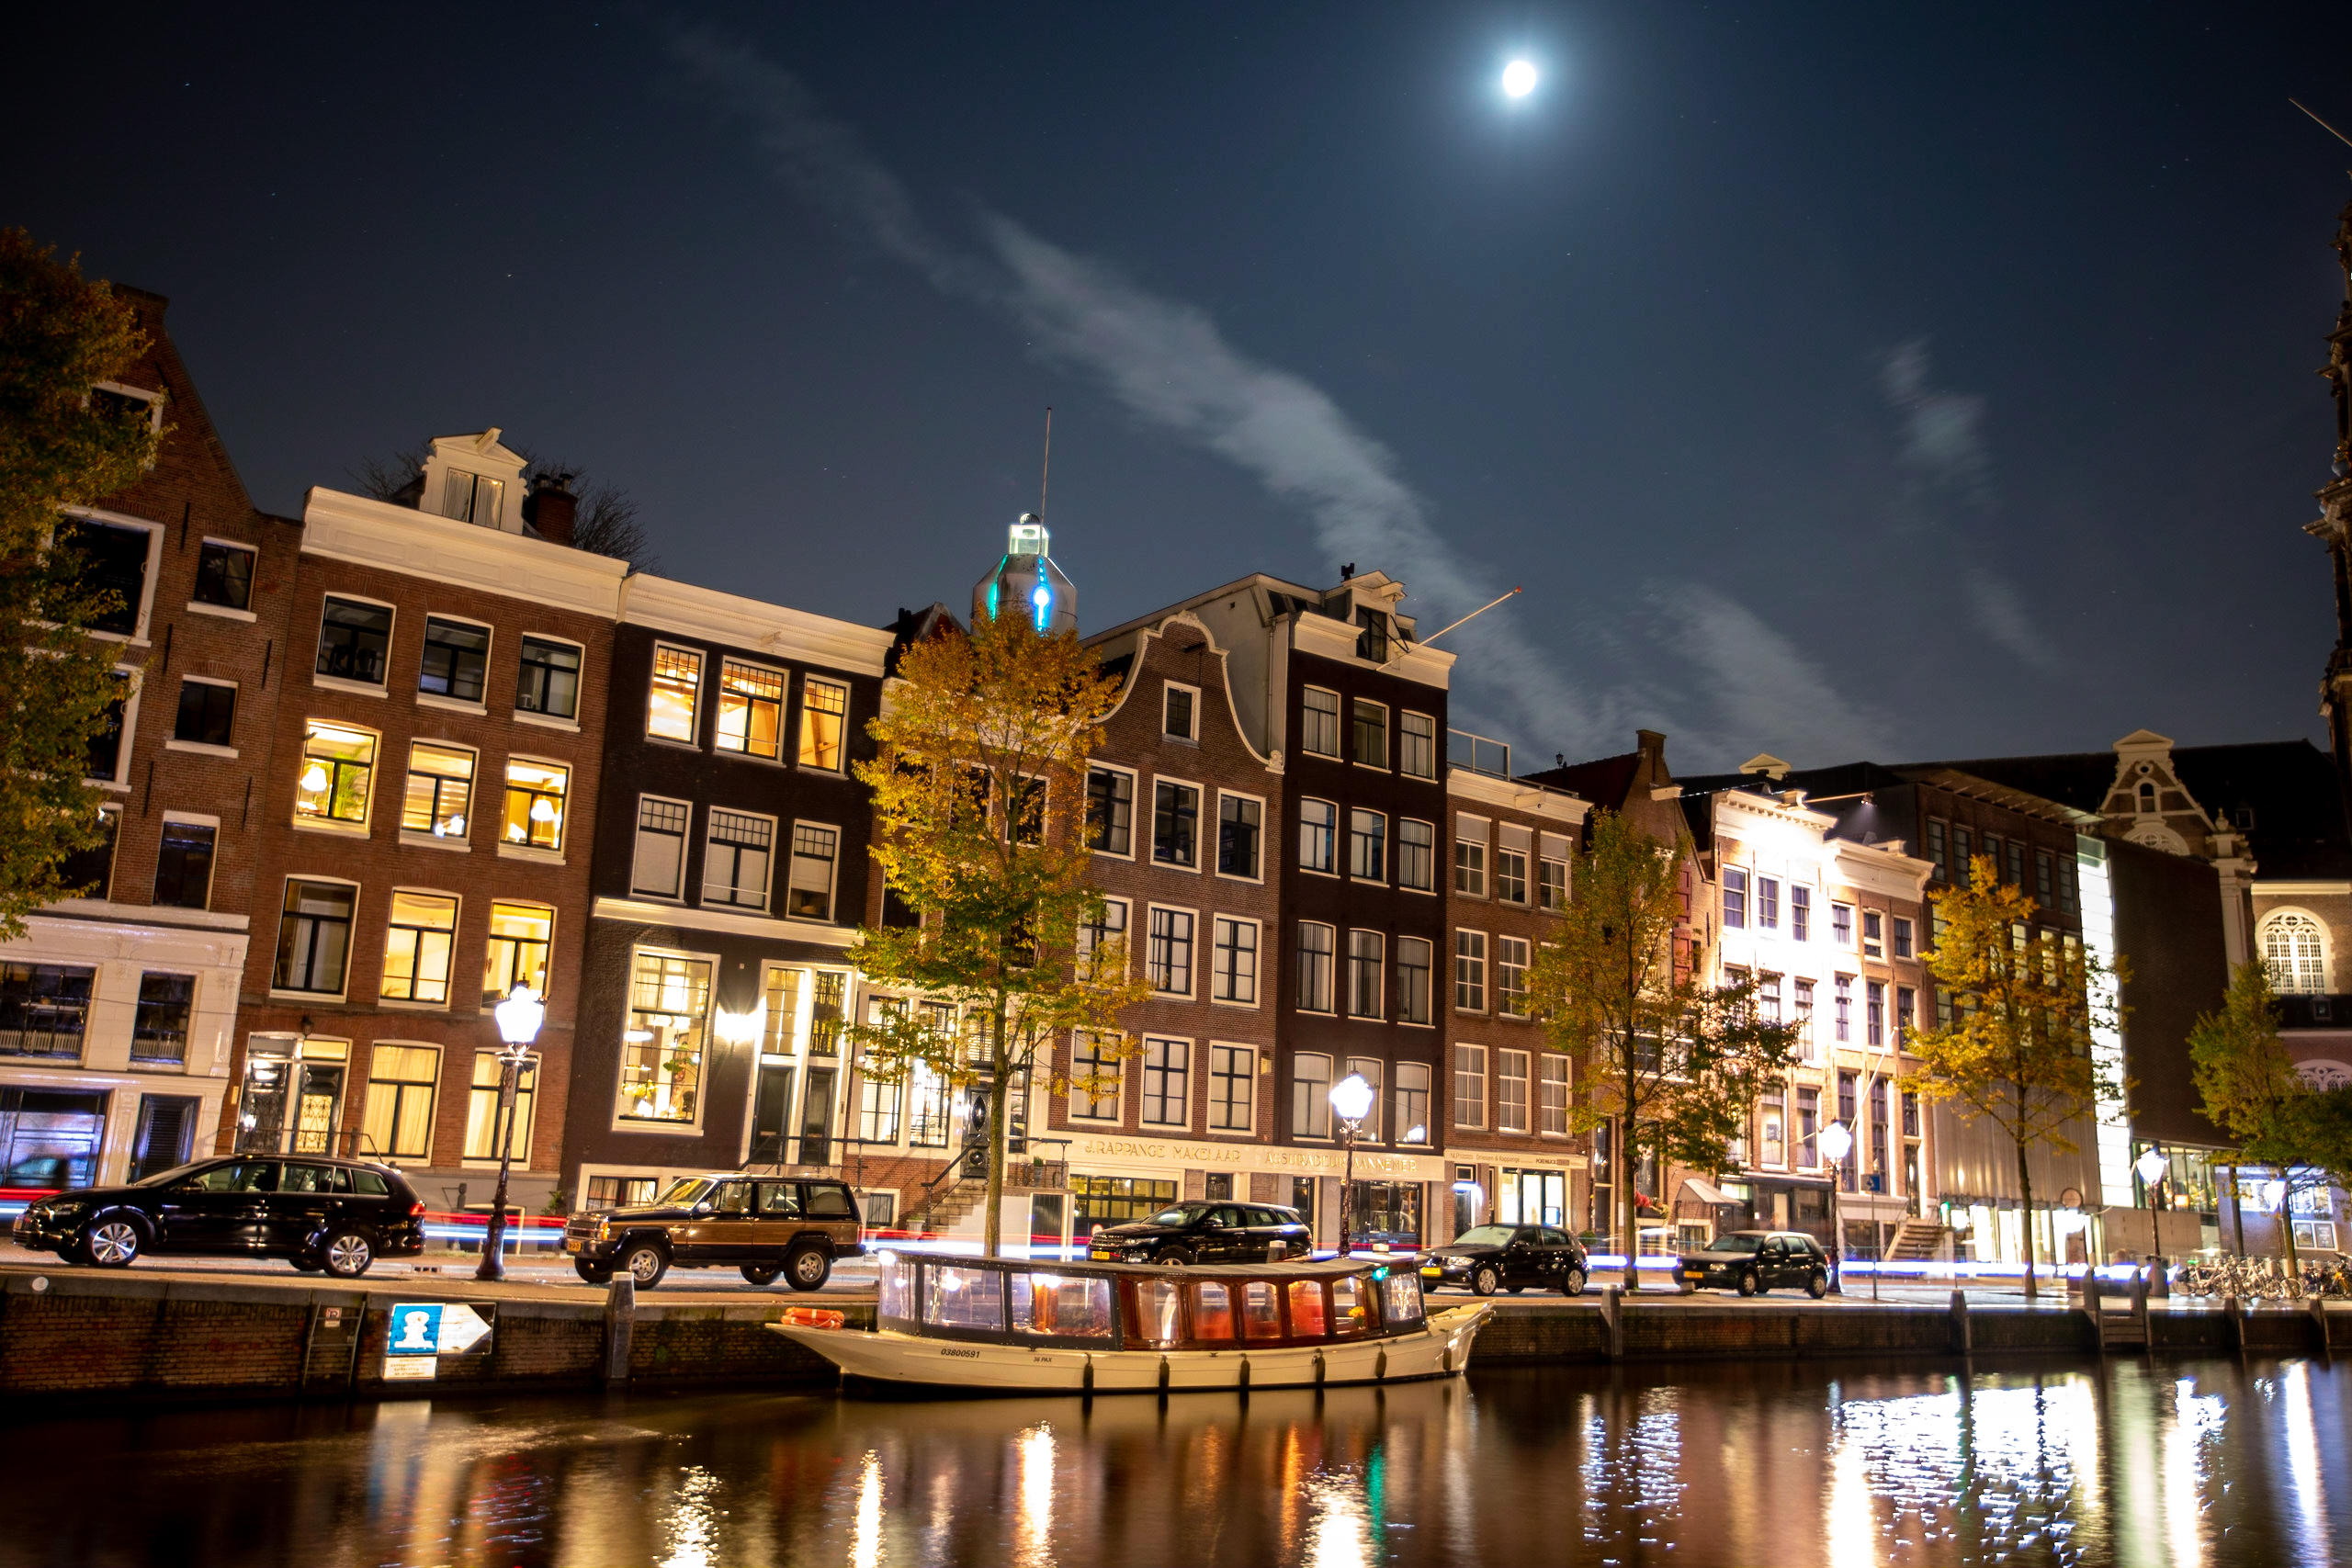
(166, 1125)
(817, 1118)
(318, 1108)
(771, 1114)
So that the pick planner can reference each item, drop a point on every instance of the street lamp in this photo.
(519, 1017)
(1351, 1103)
(1836, 1142)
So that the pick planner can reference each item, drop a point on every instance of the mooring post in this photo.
(2319, 1320)
(2140, 1310)
(1962, 1331)
(2093, 1290)
(2236, 1320)
(1612, 1318)
(620, 1322)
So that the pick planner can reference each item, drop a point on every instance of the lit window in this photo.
(472, 498)
(735, 857)
(313, 937)
(417, 945)
(1768, 903)
(660, 861)
(1318, 722)
(1094, 1070)
(2294, 950)
(751, 709)
(1841, 924)
(1369, 1070)
(337, 762)
(661, 1045)
(353, 639)
(520, 936)
(457, 659)
(440, 790)
(671, 713)
(814, 849)
(824, 713)
(1411, 1102)
(548, 681)
(534, 792)
(399, 1119)
(1310, 1106)
(485, 1135)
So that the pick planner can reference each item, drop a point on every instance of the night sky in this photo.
(1851, 380)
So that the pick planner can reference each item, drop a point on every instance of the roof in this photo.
(1603, 781)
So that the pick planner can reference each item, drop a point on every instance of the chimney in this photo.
(551, 507)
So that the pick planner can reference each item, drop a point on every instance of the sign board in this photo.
(420, 1333)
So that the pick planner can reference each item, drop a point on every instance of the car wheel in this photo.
(111, 1242)
(644, 1262)
(1483, 1279)
(808, 1266)
(1572, 1282)
(1175, 1258)
(1749, 1284)
(1817, 1286)
(596, 1274)
(762, 1274)
(347, 1254)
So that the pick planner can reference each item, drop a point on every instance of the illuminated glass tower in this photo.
(1027, 581)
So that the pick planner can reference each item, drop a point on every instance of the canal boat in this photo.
(1008, 1325)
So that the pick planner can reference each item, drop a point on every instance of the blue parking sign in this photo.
(416, 1329)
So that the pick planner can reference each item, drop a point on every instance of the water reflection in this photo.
(2185, 1463)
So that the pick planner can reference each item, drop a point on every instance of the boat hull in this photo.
(1441, 1349)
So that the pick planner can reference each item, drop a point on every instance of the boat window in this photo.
(963, 1298)
(1161, 1300)
(1212, 1312)
(1260, 1312)
(1060, 1306)
(1350, 1313)
(1307, 1320)
(1400, 1300)
(896, 1299)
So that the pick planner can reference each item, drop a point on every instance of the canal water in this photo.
(2182, 1463)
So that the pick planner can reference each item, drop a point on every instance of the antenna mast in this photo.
(1045, 475)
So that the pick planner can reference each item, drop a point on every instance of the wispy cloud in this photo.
(2000, 611)
(1944, 436)
(1167, 363)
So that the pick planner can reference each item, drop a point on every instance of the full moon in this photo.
(1519, 78)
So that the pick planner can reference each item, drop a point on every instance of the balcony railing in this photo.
(1478, 753)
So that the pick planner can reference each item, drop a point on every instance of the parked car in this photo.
(764, 1226)
(1752, 1262)
(331, 1215)
(1204, 1232)
(1486, 1259)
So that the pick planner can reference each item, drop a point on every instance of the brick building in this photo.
(731, 872)
(116, 1009)
(424, 826)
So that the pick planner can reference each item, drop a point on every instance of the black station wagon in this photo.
(1752, 1262)
(335, 1216)
(1204, 1232)
(1486, 1259)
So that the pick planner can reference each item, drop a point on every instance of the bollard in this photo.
(2093, 1291)
(2319, 1320)
(620, 1322)
(1612, 1318)
(1962, 1335)
(2159, 1280)
(2231, 1315)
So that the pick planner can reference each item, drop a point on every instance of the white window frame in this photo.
(800, 727)
(450, 984)
(1183, 1044)
(766, 904)
(1505, 1060)
(1134, 793)
(1469, 1066)
(1337, 831)
(1200, 827)
(1220, 1060)
(677, 895)
(702, 693)
(1113, 1067)
(277, 934)
(1194, 734)
(1219, 925)
(1462, 840)
(229, 611)
(549, 720)
(2291, 916)
(143, 616)
(426, 699)
(1224, 794)
(787, 737)
(833, 878)
(336, 825)
(621, 1124)
(1547, 1080)
(173, 742)
(1125, 930)
(133, 684)
(345, 682)
(1502, 943)
(213, 871)
(1338, 723)
(1191, 945)
(433, 1101)
(1481, 960)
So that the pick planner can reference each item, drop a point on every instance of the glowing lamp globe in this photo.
(2151, 1166)
(1351, 1098)
(1836, 1142)
(519, 1016)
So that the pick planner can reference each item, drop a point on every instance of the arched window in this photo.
(2147, 798)
(2294, 947)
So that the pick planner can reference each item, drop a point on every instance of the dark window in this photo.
(42, 1008)
(1960, 870)
(106, 740)
(184, 866)
(1175, 822)
(113, 560)
(208, 713)
(224, 576)
(1237, 835)
(1370, 723)
(313, 936)
(1110, 810)
(2017, 863)
(549, 682)
(1372, 641)
(2045, 879)
(160, 1034)
(1177, 714)
(1937, 850)
(456, 658)
(89, 874)
(1734, 897)
(353, 639)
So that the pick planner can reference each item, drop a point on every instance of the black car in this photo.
(1752, 1262)
(335, 1215)
(1486, 1259)
(1206, 1232)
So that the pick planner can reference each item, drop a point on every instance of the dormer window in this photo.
(473, 498)
(1372, 639)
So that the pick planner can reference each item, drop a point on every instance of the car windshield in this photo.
(1181, 1214)
(1484, 1236)
(688, 1190)
(166, 1177)
(1735, 1244)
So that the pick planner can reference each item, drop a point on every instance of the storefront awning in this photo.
(1696, 1190)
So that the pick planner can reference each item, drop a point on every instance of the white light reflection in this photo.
(2303, 1462)
(692, 1522)
(865, 1539)
(1853, 1517)
(1341, 1533)
(2194, 1420)
(1035, 1448)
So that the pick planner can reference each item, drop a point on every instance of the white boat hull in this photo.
(1441, 1349)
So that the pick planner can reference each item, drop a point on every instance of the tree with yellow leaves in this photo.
(2023, 1001)
(980, 803)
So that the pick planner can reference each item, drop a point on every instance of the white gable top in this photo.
(475, 479)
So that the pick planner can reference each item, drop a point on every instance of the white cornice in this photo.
(2265, 888)
(1512, 796)
(1771, 808)
(1328, 639)
(365, 532)
(669, 606)
(1881, 870)
(639, 912)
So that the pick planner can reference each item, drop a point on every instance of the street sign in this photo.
(420, 1333)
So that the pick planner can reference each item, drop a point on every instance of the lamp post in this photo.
(1351, 1103)
(519, 1017)
(1836, 1142)
(2155, 1168)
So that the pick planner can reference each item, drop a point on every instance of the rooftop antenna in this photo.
(1045, 475)
(2323, 124)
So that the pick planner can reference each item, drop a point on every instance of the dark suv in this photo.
(335, 1215)
(1752, 1262)
(765, 1225)
(1207, 1231)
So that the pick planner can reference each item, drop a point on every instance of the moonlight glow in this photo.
(1519, 78)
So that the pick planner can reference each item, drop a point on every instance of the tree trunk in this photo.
(1626, 1160)
(2287, 1227)
(2025, 1185)
(2237, 1206)
(992, 1217)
